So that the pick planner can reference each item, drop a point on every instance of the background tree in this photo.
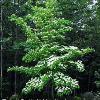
(11, 43)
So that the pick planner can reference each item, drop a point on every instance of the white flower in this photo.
(60, 90)
(51, 60)
(72, 47)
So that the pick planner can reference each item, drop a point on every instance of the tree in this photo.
(46, 46)
(12, 43)
(83, 14)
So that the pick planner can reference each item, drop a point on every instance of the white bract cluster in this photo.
(36, 83)
(63, 90)
(73, 47)
(78, 65)
(64, 84)
(30, 85)
(51, 60)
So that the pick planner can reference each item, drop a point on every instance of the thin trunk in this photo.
(52, 88)
(15, 76)
(52, 92)
(15, 61)
(1, 48)
(89, 78)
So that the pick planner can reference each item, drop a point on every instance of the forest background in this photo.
(85, 17)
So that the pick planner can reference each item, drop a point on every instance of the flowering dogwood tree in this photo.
(45, 44)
